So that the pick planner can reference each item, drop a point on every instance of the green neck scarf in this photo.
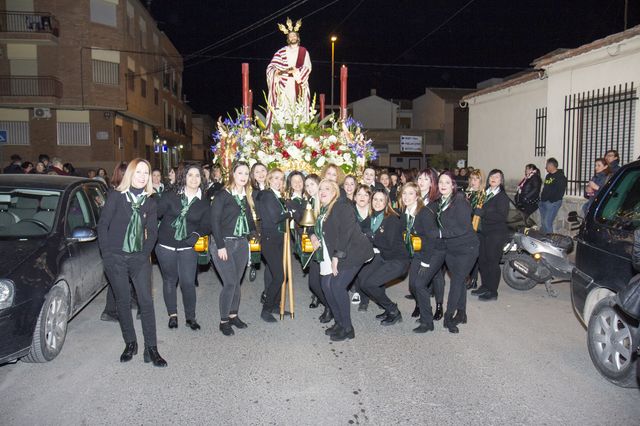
(474, 198)
(242, 225)
(134, 236)
(317, 228)
(358, 216)
(180, 222)
(408, 230)
(376, 221)
(490, 195)
(442, 206)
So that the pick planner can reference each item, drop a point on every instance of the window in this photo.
(130, 20)
(143, 33)
(135, 139)
(156, 96)
(105, 72)
(17, 131)
(143, 87)
(621, 206)
(96, 199)
(79, 213)
(131, 80)
(73, 128)
(167, 118)
(540, 149)
(104, 12)
(173, 119)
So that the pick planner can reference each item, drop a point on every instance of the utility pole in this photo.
(626, 10)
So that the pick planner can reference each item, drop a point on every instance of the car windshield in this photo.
(27, 213)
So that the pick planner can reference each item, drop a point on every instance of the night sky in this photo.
(398, 47)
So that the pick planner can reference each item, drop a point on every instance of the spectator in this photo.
(69, 169)
(57, 167)
(602, 174)
(15, 168)
(118, 173)
(91, 174)
(613, 160)
(40, 169)
(44, 159)
(462, 179)
(27, 167)
(555, 185)
(156, 181)
(528, 192)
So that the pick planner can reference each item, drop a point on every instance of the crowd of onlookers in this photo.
(45, 166)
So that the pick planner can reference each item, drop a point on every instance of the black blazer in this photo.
(388, 239)
(114, 219)
(169, 207)
(493, 214)
(224, 213)
(530, 192)
(365, 224)
(343, 237)
(271, 212)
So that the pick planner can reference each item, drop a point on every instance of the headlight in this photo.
(6, 293)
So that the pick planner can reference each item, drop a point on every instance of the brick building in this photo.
(91, 81)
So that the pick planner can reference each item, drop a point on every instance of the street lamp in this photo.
(333, 46)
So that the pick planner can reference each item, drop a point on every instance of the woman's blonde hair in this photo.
(477, 173)
(127, 178)
(336, 193)
(416, 188)
(248, 188)
(339, 172)
(267, 183)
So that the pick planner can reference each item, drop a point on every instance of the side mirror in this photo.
(83, 234)
(572, 217)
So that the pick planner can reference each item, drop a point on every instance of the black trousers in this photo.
(459, 256)
(437, 286)
(110, 304)
(178, 266)
(137, 267)
(337, 294)
(231, 272)
(491, 245)
(374, 275)
(272, 250)
(314, 282)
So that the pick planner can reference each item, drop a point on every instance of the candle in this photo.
(245, 88)
(321, 106)
(343, 92)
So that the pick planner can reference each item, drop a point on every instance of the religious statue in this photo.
(288, 75)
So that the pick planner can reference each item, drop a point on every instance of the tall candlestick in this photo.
(321, 106)
(245, 88)
(250, 104)
(343, 92)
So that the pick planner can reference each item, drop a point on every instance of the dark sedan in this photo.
(50, 264)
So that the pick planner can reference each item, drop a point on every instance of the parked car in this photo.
(603, 268)
(50, 266)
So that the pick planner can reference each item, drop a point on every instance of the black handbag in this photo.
(629, 298)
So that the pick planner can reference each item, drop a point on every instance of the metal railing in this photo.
(28, 22)
(541, 132)
(11, 85)
(595, 122)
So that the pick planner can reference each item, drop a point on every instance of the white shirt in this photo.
(198, 194)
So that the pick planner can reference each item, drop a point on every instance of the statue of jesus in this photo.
(288, 74)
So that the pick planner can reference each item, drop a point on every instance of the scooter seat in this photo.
(563, 242)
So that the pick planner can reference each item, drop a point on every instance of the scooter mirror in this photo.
(572, 217)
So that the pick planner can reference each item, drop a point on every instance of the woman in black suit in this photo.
(493, 234)
(184, 217)
(528, 193)
(127, 232)
(341, 250)
(231, 225)
(391, 259)
(362, 208)
(449, 239)
(273, 214)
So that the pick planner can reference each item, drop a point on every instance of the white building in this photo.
(375, 112)
(574, 106)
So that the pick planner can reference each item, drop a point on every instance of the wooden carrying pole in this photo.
(288, 273)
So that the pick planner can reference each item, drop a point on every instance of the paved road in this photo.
(521, 360)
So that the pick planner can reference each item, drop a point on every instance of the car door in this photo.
(85, 261)
(96, 193)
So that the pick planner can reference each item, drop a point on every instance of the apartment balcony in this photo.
(30, 90)
(30, 27)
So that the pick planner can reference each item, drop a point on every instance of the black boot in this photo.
(237, 322)
(343, 334)
(326, 316)
(438, 315)
(263, 297)
(173, 321)
(394, 316)
(416, 312)
(333, 329)
(460, 317)
(267, 316)
(193, 324)
(382, 316)
(151, 355)
(423, 328)
(226, 328)
(314, 302)
(449, 324)
(130, 349)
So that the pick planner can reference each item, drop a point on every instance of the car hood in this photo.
(14, 252)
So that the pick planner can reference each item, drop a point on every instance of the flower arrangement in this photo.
(294, 141)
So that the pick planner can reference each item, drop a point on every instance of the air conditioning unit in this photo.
(42, 113)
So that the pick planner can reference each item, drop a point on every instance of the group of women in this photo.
(366, 235)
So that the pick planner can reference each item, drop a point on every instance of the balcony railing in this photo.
(30, 86)
(28, 22)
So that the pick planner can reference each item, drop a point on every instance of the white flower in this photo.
(307, 157)
(332, 139)
(338, 161)
(311, 142)
(346, 157)
(294, 152)
(320, 162)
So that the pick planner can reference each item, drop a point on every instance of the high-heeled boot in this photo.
(449, 324)
(151, 354)
(460, 317)
(130, 349)
(437, 316)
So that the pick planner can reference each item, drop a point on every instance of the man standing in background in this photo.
(555, 185)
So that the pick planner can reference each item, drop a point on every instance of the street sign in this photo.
(3, 136)
(410, 143)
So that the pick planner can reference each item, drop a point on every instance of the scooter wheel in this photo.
(513, 277)
(252, 274)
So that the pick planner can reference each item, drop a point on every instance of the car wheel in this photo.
(252, 274)
(513, 277)
(611, 344)
(51, 328)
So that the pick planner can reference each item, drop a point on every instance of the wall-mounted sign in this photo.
(410, 143)
(102, 136)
